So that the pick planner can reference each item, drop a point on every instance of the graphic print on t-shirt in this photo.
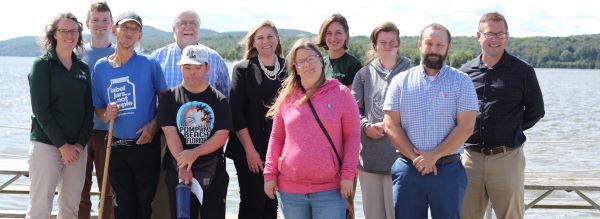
(195, 121)
(377, 99)
(122, 92)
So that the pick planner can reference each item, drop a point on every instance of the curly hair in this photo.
(48, 42)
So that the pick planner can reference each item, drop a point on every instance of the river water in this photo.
(563, 141)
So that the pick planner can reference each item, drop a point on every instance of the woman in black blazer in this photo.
(254, 86)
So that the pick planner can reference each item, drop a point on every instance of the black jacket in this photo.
(251, 94)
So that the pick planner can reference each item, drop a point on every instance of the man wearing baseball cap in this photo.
(125, 87)
(196, 119)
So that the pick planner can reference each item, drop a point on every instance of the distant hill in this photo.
(581, 51)
(153, 38)
(20, 46)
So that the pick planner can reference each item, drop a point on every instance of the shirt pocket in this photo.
(446, 99)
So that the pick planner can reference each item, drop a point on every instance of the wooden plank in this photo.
(564, 206)
(14, 167)
(568, 181)
(21, 214)
(24, 190)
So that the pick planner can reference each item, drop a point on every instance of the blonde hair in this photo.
(492, 16)
(248, 40)
(292, 81)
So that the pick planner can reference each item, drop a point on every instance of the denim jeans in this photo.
(441, 193)
(319, 205)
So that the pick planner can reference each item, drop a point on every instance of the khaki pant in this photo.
(48, 174)
(497, 178)
(378, 202)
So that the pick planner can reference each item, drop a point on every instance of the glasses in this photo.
(68, 31)
(500, 35)
(314, 59)
(185, 23)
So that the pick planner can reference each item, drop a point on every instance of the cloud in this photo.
(525, 17)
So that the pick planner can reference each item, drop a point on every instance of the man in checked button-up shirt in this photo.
(511, 102)
(186, 28)
(430, 111)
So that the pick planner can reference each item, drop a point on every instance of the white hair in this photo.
(192, 12)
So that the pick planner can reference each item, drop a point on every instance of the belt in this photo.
(448, 159)
(443, 160)
(489, 151)
(123, 142)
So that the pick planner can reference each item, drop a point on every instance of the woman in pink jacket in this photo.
(302, 166)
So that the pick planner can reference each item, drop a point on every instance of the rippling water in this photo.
(564, 140)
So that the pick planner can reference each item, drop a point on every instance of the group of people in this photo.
(300, 129)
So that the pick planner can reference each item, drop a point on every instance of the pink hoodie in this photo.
(299, 156)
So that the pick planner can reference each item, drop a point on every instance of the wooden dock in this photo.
(549, 182)
(543, 184)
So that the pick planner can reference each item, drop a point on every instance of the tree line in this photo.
(582, 51)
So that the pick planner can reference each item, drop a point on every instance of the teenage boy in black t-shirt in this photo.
(196, 120)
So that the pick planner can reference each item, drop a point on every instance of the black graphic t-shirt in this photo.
(197, 116)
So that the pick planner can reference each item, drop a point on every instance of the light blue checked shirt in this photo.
(428, 108)
(169, 55)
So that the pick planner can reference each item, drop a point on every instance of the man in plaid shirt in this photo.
(430, 112)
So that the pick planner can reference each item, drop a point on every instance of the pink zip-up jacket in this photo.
(299, 156)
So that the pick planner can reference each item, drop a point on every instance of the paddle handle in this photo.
(106, 164)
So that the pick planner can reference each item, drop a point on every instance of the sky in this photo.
(525, 17)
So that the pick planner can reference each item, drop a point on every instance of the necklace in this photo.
(272, 75)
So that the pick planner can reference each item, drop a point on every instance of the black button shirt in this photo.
(510, 101)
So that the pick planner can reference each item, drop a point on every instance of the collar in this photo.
(179, 50)
(440, 74)
(503, 62)
(52, 55)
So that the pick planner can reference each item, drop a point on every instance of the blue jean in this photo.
(325, 205)
(413, 193)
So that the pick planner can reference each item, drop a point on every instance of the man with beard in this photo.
(511, 102)
(430, 112)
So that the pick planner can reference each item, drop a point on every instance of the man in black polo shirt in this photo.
(510, 102)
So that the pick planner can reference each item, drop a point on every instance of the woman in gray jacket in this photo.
(377, 153)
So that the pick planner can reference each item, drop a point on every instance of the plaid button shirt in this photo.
(168, 56)
(428, 108)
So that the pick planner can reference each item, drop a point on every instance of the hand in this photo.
(271, 188)
(255, 164)
(346, 188)
(375, 130)
(185, 175)
(69, 153)
(147, 133)
(79, 148)
(111, 112)
(425, 162)
(186, 158)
